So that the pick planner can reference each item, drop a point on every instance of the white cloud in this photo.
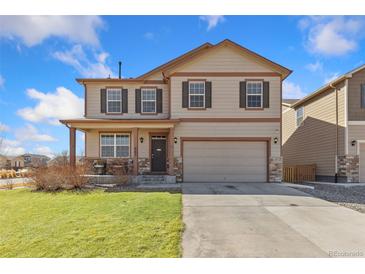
(149, 36)
(332, 36)
(2, 81)
(315, 67)
(30, 133)
(33, 30)
(331, 77)
(4, 127)
(212, 20)
(78, 59)
(11, 147)
(292, 90)
(44, 150)
(51, 107)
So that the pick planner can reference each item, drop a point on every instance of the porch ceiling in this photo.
(84, 124)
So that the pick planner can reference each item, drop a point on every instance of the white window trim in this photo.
(261, 95)
(296, 116)
(197, 94)
(107, 100)
(114, 145)
(155, 101)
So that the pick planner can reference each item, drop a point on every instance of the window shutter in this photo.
(208, 94)
(103, 100)
(125, 101)
(138, 100)
(159, 101)
(242, 94)
(362, 95)
(266, 102)
(185, 94)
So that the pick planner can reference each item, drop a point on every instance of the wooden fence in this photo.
(299, 173)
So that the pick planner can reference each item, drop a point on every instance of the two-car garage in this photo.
(225, 160)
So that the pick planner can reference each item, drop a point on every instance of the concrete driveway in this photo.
(266, 220)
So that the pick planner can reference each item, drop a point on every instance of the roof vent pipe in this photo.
(120, 69)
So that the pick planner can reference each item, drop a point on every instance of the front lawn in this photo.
(94, 224)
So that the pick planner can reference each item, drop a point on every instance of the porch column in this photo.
(135, 150)
(72, 146)
(171, 151)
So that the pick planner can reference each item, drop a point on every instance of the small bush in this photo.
(9, 184)
(59, 177)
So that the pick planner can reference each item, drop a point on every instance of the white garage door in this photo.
(225, 161)
(362, 163)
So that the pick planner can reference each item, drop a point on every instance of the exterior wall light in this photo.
(276, 140)
(175, 140)
(353, 143)
(141, 140)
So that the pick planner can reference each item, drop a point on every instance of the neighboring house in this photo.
(35, 160)
(212, 114)
(15, 162)
(11, 162)
(3, 161)
(64, 160)
(327, 128)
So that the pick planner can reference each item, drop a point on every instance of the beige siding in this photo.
(93, 102)
(356, 113)
(225, 99)
(314, 141)
(355, 133)
(229, 130)
(222, 59)
(93, 145)
(225, 161)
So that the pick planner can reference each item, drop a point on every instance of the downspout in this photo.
(336, 156)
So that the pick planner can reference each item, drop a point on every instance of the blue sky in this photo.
(40, 57)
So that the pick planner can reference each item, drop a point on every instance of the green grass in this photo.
(94, 224)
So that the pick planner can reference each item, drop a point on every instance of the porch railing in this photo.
(299, 173)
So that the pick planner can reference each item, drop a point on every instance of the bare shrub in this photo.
(58, 177)
(9, 184)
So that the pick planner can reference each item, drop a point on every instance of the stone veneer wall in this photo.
(348, 166)
(112, 166)
(144, 165)
(275, 169)
(178, 169)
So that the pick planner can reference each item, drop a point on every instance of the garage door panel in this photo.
(225, 161)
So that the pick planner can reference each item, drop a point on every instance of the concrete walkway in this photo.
(266, 220)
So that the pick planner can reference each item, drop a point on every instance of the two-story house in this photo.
(327, 128)
(212, 114)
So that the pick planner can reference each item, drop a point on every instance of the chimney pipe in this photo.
(120, 69)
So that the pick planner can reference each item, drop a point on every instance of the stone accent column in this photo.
(72, 146)
(178, 169)
(348, 166)
(275, 169)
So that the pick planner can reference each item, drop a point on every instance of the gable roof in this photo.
(289, 102)
(329, 85)
(186, 57)
(285, 72)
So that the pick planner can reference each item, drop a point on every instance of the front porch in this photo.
(127, 147)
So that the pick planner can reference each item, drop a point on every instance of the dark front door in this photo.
(158, 155)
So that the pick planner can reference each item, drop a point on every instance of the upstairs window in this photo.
(299, 115)
(114, 100)
(114, 145)
(254, 94)
(196, 94)
(363, 96)
(148, 100)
